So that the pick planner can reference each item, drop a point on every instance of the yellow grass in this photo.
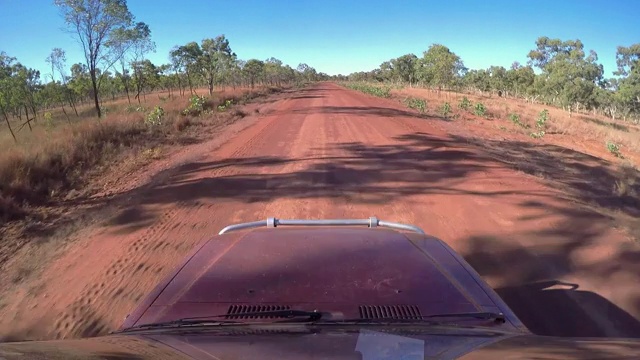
(55, 156)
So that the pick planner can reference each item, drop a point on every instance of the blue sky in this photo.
(344, 36)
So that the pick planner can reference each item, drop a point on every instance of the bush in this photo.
(614, 149)
(480, 109)
(227, 104)
(464, 104)
(154, 118)
(418, 104)
(379, 91)
(131, 109)
(445, 109)
(48, 121)
(543, 116)
(515, 119)
(196, 105)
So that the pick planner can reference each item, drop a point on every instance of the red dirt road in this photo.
(327, 152)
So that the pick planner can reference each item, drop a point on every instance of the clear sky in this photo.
(344, 36)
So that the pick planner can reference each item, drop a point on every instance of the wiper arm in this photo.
(316, 317)
(210, 320)
(180, 323)
(497, 317)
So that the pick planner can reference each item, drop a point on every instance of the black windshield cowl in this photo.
(287, 314)
(319, 318)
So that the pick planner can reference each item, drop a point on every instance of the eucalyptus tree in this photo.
(97, 23)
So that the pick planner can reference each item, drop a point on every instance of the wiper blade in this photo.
(300, 315)
(497, 317)
(316, 317)
(181, 323)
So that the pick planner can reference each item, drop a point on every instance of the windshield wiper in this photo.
(211, 320)
(316, 317)
(497, 317)
(181, 323)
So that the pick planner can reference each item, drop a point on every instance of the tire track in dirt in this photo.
(156, 239)
(133, 260)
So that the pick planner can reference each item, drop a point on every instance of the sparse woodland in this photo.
(59, 124)
(559, 73)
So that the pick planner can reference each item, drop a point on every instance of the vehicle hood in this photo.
(344, 271)
(363, 344)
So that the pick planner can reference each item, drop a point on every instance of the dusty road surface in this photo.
(328, 152)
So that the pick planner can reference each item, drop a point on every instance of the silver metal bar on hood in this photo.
(273, 222)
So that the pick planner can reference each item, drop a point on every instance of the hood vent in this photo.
(238, 309)
(389, 312)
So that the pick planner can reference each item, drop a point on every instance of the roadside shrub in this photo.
(418, 104)
(196, 105)
(154, 118)
(48, 120)
(480, 109)
(379, 91)
(464, 104)
(131, 109)
(224, 106)
(445, 110)
(543, 116)
(515, 119)
(614, 149)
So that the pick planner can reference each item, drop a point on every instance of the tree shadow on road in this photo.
(419, 164)
(590, 180)
(366, 111)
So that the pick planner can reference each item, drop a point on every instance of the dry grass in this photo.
(582, 126)
(55, 158)
(182, 123)
(32, 175)
(628, 183)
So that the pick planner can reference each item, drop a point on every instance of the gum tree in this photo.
(215, 56)
(96, 23)
(569, 76)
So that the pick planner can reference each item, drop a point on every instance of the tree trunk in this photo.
(125, 83)
(65, 112)
(6, 119)
(189, 81)
(26, 114)
(72, 104)
(94, 84)
(179, 84)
